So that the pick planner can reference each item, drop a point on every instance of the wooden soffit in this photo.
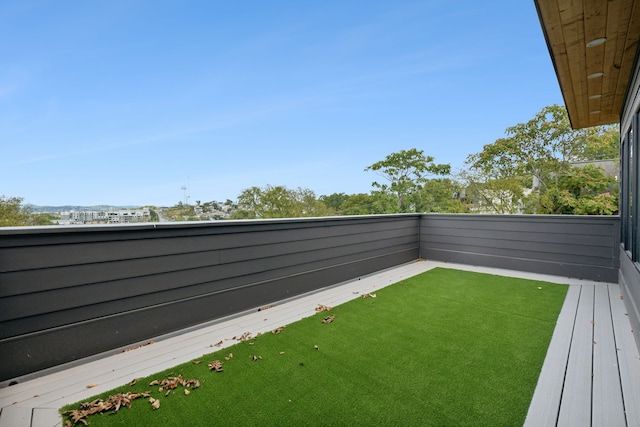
(593, 73)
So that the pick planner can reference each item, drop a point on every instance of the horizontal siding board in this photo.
(524, 246)
(577, 246)
(519, 235)
(124, 247)
(193, 282)
(580, 271)
(517, 252)
(103, 334)
(67, 276)
(535, 223)
(39, 236)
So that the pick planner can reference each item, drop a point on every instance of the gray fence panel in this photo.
(67, 293)
(584, 247)
(70, 292)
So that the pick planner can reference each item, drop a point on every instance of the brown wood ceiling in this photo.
(568, 26)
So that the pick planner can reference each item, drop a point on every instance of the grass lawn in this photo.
(444, 348)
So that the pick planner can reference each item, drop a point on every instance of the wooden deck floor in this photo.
(591, 376)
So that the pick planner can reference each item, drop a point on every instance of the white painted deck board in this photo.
(628, 357)
(575, 406)
(15, 416)
(545, 403)
(45, 417)
(607, 406)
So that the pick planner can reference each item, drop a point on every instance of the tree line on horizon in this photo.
(539, 167)
(534, 169)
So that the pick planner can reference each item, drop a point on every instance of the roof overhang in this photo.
(593, 46)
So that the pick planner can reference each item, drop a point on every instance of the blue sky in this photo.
(123, 102)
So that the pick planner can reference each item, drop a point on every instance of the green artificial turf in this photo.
(445, 348)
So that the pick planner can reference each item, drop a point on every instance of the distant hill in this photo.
(66, 208)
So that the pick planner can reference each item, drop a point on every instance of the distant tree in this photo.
(406, 172)
(499, 195)
(600, 143)
(584, 190)
(443, 195)
(12, 213)
(279, 202)
(527, 169)
(334, 201)
(42, 219)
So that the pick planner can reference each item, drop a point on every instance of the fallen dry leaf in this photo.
(138, 346)
(278, 330)
(244, 336)
(316, 347)
(322, 307)
(228, 357)
(156, 404)
(215, 365)
(133, 382)
(368, 295)
(187, 392)
(219, 343)
(254, 358)
(328, 319)
(197, 362)
(92, 385)
(282, 352)
(113, 403)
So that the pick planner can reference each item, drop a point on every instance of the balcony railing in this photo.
(67, 293)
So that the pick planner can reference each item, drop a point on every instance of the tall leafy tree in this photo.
(406, 172)
(12, 213)
(539, 153)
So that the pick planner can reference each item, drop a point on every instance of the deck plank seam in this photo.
(593, 353)
(615, 344)
(568, 359)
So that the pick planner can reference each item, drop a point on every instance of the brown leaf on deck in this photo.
(278, 330)
(244, 337)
